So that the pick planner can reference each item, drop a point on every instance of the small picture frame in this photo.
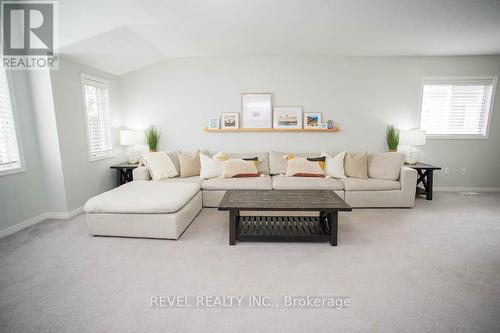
(213, 123)
(287, 117)
(323, 126)
(230, 120)
(312, 120)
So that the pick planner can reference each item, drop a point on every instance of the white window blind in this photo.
(9, 149)
(96, 99)
(456, 107)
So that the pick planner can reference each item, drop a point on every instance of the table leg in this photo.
(232, 227)
(333, 219)
(430, 177)
(118, 177)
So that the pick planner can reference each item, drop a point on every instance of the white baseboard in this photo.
(38, 219)
(467, 189)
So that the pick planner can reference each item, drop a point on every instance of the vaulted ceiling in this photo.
(119, 36)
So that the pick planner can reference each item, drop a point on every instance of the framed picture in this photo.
(230, 120)
(213, 122)
(312, 120)
(323, 126)
(287, 117)
(256, 109)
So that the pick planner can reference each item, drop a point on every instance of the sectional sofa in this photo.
(164, 209)
(388, 185)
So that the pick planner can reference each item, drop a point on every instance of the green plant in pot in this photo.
(392, 137)
(152, 138)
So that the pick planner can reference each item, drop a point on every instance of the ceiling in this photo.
(118, 36)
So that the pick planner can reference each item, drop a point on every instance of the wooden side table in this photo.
(426, 177)
(124, 172)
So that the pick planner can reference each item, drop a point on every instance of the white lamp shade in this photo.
(412, 137)
(132, 137)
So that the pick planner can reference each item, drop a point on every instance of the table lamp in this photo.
(412, 137)
(132, 138)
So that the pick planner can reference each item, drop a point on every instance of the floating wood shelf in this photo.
(321, 130)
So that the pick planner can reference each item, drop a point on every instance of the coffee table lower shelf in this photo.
(283, 229)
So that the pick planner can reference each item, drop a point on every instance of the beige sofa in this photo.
(371, 192)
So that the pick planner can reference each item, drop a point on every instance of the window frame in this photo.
(17, 128)
(83, 78)
(494, 78)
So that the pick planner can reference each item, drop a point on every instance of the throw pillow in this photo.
(189, 164)
(385, 165)
(240, 168)
(356, 165)
(211, 167)
(159, 165)
(334, 165)
(305, 167)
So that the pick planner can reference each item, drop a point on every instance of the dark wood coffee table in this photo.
(283, 228)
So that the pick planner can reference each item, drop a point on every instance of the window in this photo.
(457, 108)
(96, 103)
(10, 156)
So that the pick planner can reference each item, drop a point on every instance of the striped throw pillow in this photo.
(235, 167)
(305, 167)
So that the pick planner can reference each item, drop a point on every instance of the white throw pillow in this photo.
(334, 165)
(159, 165)
(211, 167)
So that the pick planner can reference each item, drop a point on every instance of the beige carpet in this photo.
(432, 268)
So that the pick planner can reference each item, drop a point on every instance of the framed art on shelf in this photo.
(213, 122)
(287, 117)
(256, 109)
(312, 120)
(230, 120)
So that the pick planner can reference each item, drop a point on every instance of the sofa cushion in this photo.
(193, 180)
(385, 165)
(370, 184)
(278, 161)
(211, 167)
(237, 167)
(140, 197)
(334, 164)
(306, 183)
(262, 157)
(305, 167)
(248, 183)
(189, 164)
(160, 165)
(356, 165)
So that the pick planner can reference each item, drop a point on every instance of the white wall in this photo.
(362, 94)
(23, 195)
(83, 179)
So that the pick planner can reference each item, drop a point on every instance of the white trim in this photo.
(466, 189)
(459, 136)
(38, 219)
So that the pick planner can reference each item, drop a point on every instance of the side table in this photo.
(124, 172)
(425, 176)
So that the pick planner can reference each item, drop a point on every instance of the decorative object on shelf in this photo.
(323, 126)
(392, 137)
(287, 117)
(213, 122)
(413, 137)
(312, 120)
(152, 138)
(330, 124)
(131, 139)
(230, 120)
(256, 109)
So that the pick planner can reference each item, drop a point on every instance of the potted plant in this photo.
(392, 137)
(152, 138)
